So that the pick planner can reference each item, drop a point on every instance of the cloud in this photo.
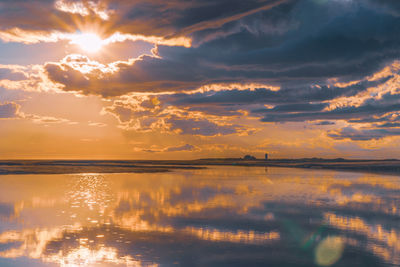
(211, 111)
(143, 113)
(324, 123)
(285, 94)
(219, 66)
(139, 18)
(83, 8)
(390, 6)
(147, 73)
(289, 44)
(27, 78)
(46, 119)
(96, 124)
(342, 45)
(371, 100)
(186, 147)
(219, 22)
(389, 125)
(202, 127)
(11, 72)
(181, 148)
(363, 134)
(9, 110)
(344, 113)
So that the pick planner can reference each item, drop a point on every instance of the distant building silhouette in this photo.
(266, 156)
(249, 157)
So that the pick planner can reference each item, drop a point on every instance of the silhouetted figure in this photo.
(266, 156)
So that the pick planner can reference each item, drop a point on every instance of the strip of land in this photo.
(389, 166)
(83, 166)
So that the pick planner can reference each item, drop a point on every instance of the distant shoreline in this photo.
(8, 167)
(388, 166)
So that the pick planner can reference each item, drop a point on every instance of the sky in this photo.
(188, 79)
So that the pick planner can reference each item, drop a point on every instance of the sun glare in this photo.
(89, 42)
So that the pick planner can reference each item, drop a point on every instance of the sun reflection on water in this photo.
(151, 219)
(89, 197)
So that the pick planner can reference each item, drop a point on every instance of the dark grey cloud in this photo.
(36, 16)
(272, 24)
(389, 125)
(363, 134)
(301, 103)
(319, 41)
(147, 74)
(387, 103)
(144, 17)
(293, 95)
(390, 6)
(331, 40)
(323, 123)
(202, 127)
(344, 113)
(183, 18)
(306, 107)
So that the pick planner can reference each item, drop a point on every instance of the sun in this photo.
(89, 42)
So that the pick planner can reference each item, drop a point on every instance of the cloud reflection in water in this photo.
(219, 216)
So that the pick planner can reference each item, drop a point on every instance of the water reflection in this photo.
(219, 216)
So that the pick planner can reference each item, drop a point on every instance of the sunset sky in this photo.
(187, 79)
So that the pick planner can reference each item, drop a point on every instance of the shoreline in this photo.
(390, 167)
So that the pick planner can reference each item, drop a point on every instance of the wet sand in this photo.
(82, 166)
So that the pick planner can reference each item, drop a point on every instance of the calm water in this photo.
(221, 216)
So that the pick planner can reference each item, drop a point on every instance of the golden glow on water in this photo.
(248, 237)
(144, 219)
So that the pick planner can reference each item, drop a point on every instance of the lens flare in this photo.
(329, 251)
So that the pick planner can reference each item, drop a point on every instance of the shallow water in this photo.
(220, 216)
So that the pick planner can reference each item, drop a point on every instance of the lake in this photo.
(219, 216)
